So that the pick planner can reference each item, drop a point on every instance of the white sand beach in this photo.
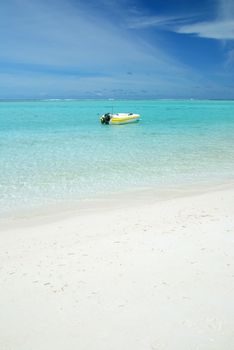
(155, 275)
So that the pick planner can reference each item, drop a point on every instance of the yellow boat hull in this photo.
(124, 118)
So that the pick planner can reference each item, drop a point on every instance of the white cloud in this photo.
(221, 30)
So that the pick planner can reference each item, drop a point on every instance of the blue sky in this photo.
(117, 49)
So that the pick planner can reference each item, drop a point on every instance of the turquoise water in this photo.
(58, 150)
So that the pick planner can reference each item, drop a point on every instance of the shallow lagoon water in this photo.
(54, 151)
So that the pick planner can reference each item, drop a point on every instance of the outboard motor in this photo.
(105, 119)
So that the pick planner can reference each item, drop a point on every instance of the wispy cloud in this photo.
(148, 21)
(220, 28)
(75, 48)
(62, 34)
(164, 22)
(69, 47)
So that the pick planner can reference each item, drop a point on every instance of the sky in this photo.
(117, 49)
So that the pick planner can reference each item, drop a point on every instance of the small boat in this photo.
(119, 118)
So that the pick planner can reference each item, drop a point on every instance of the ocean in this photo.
(56, 150)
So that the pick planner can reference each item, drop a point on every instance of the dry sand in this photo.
(156, 275)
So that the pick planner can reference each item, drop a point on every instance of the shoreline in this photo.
(157, 275)
(61, 210)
